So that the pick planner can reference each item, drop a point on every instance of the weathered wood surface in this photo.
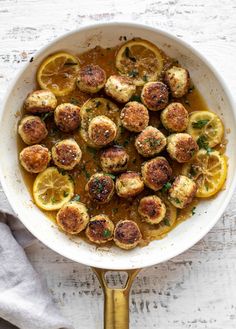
(198, 288)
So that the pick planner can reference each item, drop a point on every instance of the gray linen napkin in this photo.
(24, 298)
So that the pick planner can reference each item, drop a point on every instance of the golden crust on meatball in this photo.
(66, 154)
(182, 191)
(156, 172)
(35, 158)
(114, 159)
(155, 95)
(100, 229)
(73, 217)
(67, 117)
(100, 188)
(181, 147)
(127, 234)
(152, 209)
(120, 88)
(32, 130)
(91, 78)
(40, 101)
(102, 130)
(150, 142)
(129, 184)
(175, 117)
(134, 116)
(178, 80)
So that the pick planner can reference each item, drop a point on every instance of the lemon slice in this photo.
(52, 189)
(206, 126)
(58, 73)
(209, 170)
(94, 107)
(140, 60)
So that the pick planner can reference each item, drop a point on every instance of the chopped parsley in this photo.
(129, 55)
(91, 150)
(136, 98)
(46, 115)
(126, 142)
(203, 143)
(145, 78)
(176, 200)
(200, 123)
(53, 200)
(86, 173)
(193, 211)
(166, 187)
(133, 73)
(65, 193)
(74, 101)
(192, 171)
(97, 103)
(166, 221)
(114, 211)
(76, 198)
(106, 233)
(112, 176)
(153, 142)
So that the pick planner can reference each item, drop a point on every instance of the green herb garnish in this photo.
(70, 64)
(65, 194)
(166, 221)
(200, 123)
(76, 198)
(74, 101)
(126, 142)
(177, 200)
(153, 142)
(114, 210)
(112, 176)
(97, 103)
(145, 78)
(166, 187)
(203, 143)
(46, 115)
(106, 233)
(136, 98)
(53, 200)
(133, 73)
(193, 211)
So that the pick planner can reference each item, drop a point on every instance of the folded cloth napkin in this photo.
(24, 298)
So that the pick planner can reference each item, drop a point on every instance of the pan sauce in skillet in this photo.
(118, 208)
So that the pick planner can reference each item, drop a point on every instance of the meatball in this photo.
(175, 117)
(40, 101)
(127, 234)
(67, 117)
(32, 130)
(152, 209)
(150, 142)
(120, 88)
(177, 78)
(35, 158)
(102, 130)
(156, 172)
(100, 229)
(100, 188)
(129, 184)
(134, 116)
(66, 154)
(91, 78)
(182, 191)
(155, 96)
(73, 217)
(181, 147)
(114, 159)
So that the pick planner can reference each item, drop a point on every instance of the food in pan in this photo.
(116, 144)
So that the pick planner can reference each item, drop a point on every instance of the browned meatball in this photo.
(152, 209)
(129, 184)
(35, 158)
(100, 188)
(155, 96)
(150, 142)
(177, 78)
(127, 234)
(40, 101)
(134, 116)
(120, 88)
(66, 154)
(73, 217)
(114, 159)
(91, 78)
(175, 117)
(156, 172)
(67, 117)
(100, 229)
(182, 191)
(181, 147)
(32, 130)
(102, 130)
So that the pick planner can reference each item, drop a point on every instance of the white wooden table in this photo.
(198, 288)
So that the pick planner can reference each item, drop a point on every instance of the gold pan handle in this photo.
(116, 301)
